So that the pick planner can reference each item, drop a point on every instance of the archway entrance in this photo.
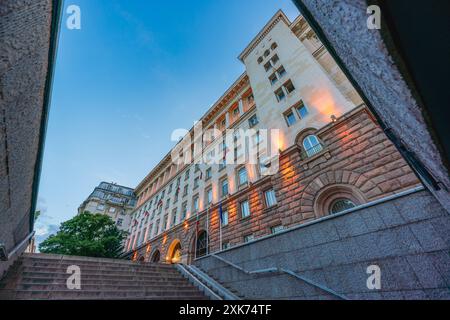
(174, 252)
(156, 256)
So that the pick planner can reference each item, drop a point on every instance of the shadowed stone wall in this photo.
(24, 52)
(408, 237)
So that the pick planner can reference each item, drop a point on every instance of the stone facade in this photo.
(357, 162)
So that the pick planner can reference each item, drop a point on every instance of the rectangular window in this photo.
(195, 204)
(100, 207)
(112, 209)
(224, 187)
(253, 121)
(185, 190)
(183, 211)
(209, 195)
(289, 86)
(196, 180)
(267, 66)
(280, 94)
(290, 118)
(275, 59)
(222, 164)
(281, 72)
(119, 221)
(186, 175)
(167, 203)
(270, 198)
(170, 188)
(236, 111)
(208, 174)
(242, 176)
(249, 238)
(302, 110)
(245, 209)
(197, 167)
(166, 219)
(276, 229)
(273, 79)
(225, 245)
(224, 218)
(174, 217)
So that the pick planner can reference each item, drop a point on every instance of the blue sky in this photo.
(136, 70)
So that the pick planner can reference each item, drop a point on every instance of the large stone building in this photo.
(324, 153)
(113, 200)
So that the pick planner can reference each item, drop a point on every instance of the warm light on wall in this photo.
(164, 239)
(324, 102)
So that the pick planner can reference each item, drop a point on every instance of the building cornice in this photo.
(279, 16)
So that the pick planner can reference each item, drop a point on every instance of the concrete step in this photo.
(86, 270)
(111, 281)
(81, 264)
(96, 294)
(44, 277)
(105, 276)
(185, 287)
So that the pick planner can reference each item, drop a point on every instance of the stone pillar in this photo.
(241, 106)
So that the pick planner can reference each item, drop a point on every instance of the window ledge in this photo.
(306, 163)
(267, 209)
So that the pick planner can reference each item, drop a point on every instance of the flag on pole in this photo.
(221, 213)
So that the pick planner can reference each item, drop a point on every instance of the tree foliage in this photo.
(91, 235)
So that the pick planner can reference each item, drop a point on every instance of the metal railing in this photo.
(285, 271)
(199, 284)
(8, 255)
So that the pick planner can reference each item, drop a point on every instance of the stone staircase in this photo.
(43, 276)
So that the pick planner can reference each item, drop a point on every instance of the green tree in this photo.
(90, 235)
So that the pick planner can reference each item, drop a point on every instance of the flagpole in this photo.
(207, 229)
(196, 235)
(220, 232)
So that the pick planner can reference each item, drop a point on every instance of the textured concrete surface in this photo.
(24, 50)
(371, 66)
(407, 237)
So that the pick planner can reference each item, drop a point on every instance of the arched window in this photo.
(273, 46)
(266, 53)
(312, 145)
(341, 204)
(260, 59)
(156, 256)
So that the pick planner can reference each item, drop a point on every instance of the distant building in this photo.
(113, 200)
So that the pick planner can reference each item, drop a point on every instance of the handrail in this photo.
(224, 292)
(282, 270)
(17, 247)
(200, 284)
